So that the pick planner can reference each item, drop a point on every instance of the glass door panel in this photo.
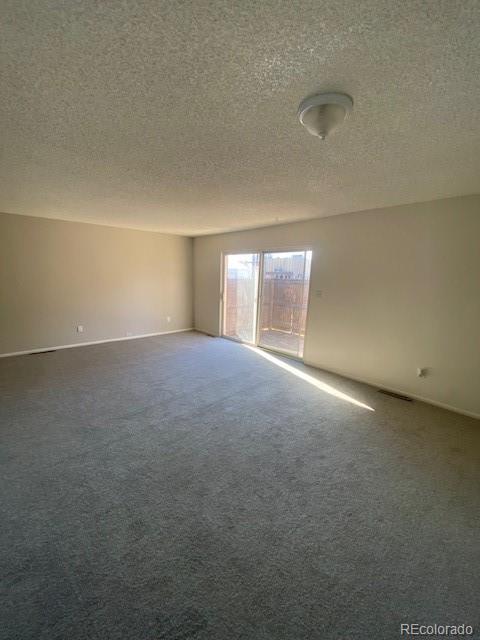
(240, 296)
(284, 299)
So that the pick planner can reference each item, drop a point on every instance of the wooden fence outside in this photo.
(284, 306)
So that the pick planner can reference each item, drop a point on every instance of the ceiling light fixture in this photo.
(322, 113)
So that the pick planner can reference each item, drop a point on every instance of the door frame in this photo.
(259, 294)
(223, 278)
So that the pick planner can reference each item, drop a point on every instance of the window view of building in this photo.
(283, 312)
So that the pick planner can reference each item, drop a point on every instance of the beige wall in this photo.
(56, 275)
(400, 289)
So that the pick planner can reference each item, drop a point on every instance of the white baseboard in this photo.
(372, 383)
(86, 344)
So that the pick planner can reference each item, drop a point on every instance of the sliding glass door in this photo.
(284, 300)
(240, 294)
(280, 281)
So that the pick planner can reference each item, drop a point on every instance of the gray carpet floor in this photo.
(183, 487)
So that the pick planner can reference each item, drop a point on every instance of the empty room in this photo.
(239, 320)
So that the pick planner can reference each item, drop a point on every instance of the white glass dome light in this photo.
(322, 113)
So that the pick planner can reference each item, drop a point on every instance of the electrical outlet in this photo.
(80, 328)
(128, 334)
(168, 318)
(422, 372)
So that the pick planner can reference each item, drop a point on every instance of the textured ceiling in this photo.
(181, 116)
